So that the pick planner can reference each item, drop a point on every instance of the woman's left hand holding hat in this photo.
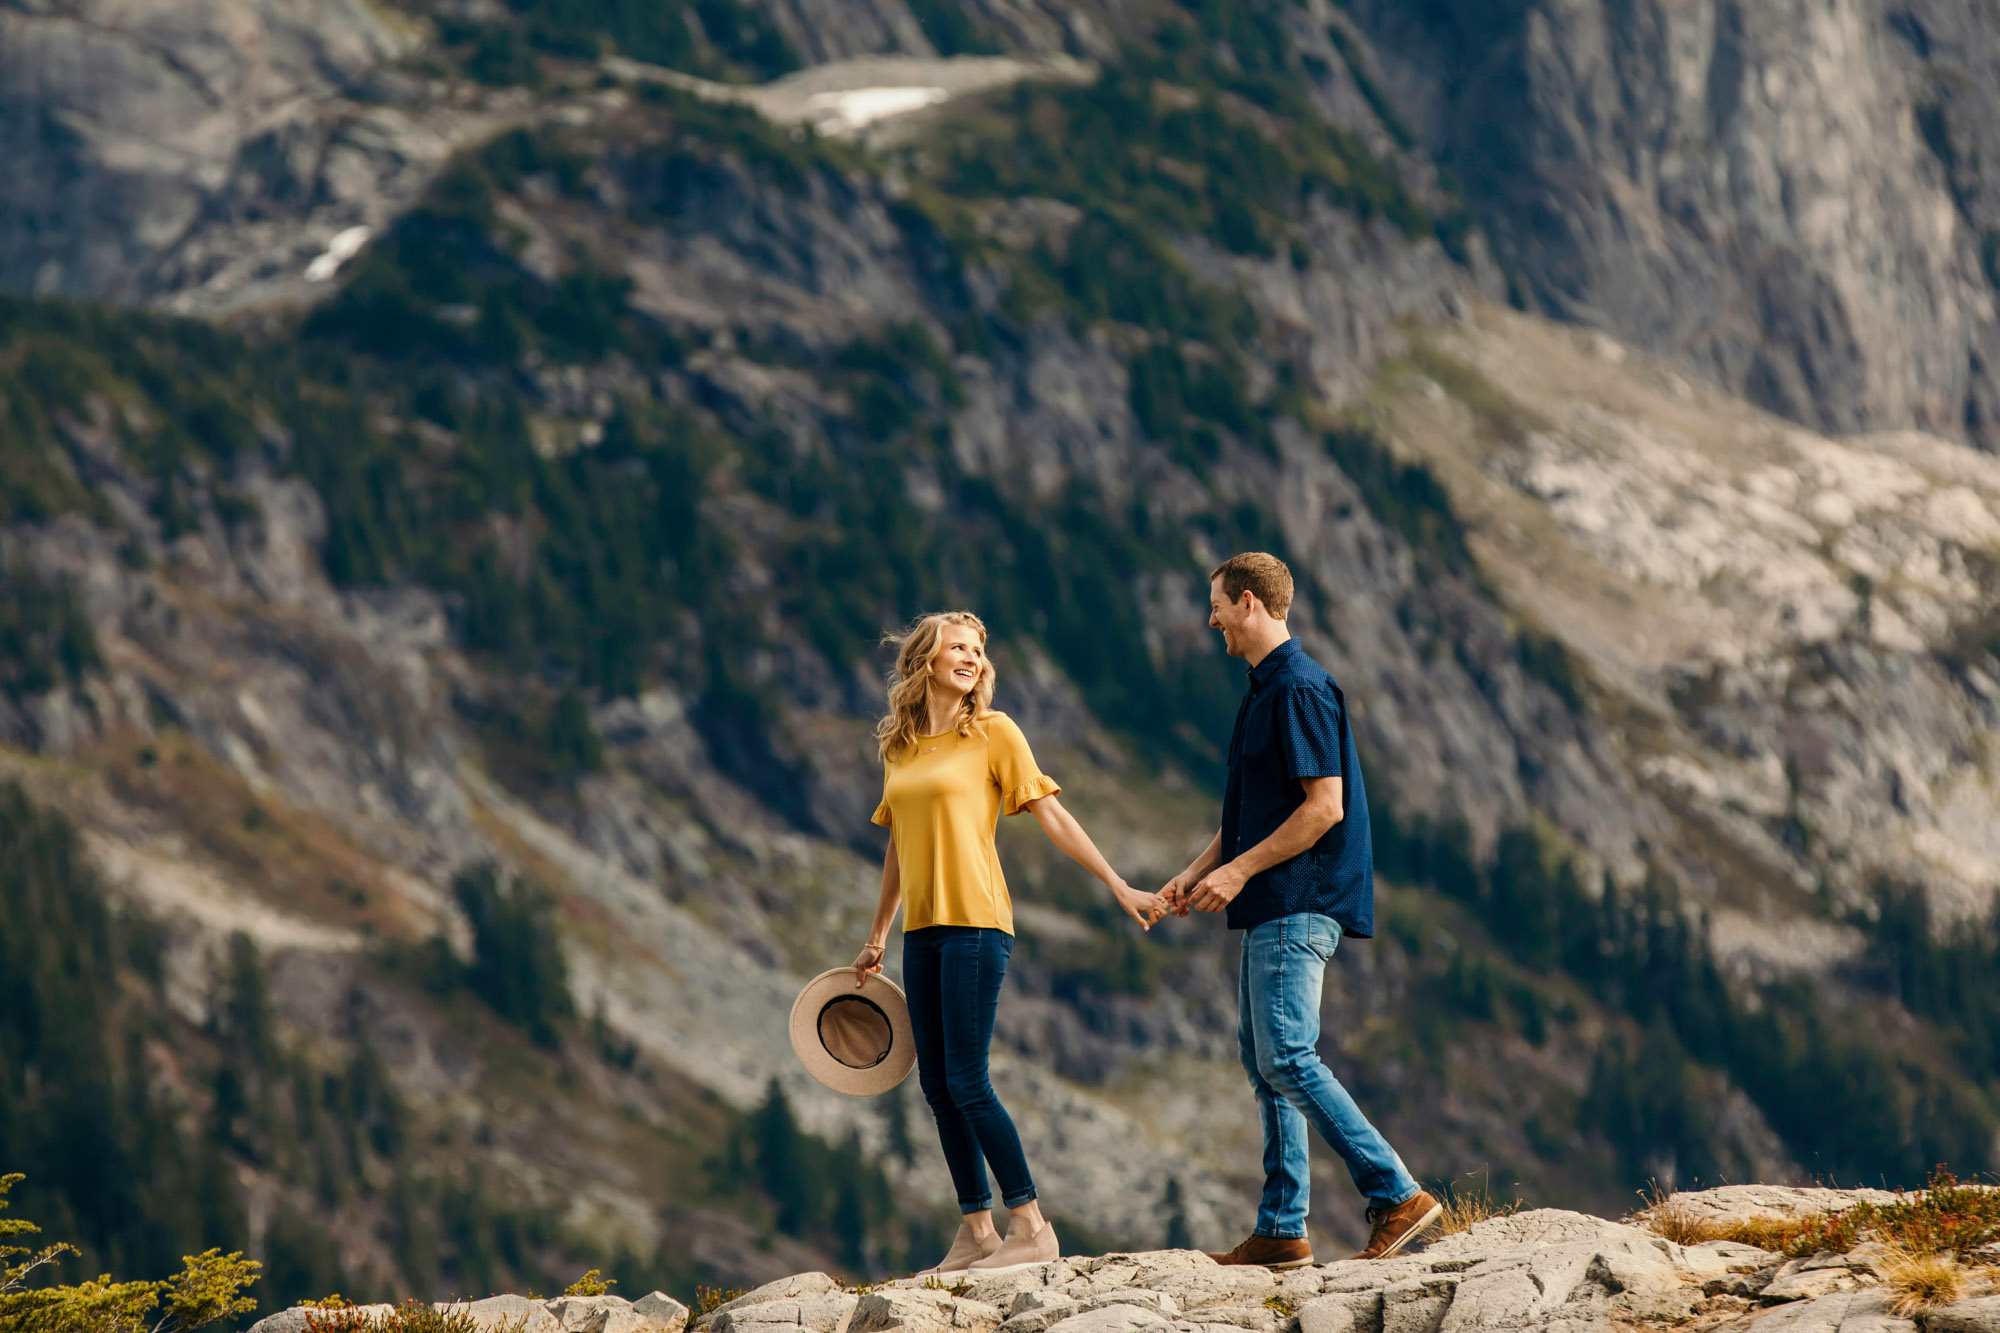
(868, 960)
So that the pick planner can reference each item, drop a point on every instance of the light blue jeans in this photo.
(1284, 967)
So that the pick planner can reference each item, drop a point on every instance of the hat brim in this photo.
(886, 996)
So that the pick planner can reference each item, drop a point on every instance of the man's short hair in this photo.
(1256, 572)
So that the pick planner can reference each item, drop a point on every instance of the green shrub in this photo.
(207, 1289)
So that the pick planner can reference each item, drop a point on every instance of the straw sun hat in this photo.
(855, 1041)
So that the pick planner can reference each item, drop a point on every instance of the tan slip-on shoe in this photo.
(1270, 1251)
(966, 1249)
(1022, 1249)
(1393, 1228)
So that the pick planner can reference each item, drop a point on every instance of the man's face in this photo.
(1229, 616)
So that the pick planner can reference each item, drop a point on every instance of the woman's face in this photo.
(960, 657)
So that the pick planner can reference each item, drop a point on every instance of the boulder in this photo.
(1737, 1203)
(1843, 1312)
(1793, 1283)
(811, 1301)
(1503, 1298)
(919, 1310)
(1981, 1315)
(1643, 1289)
(796, 1287)
(294, 1319)
(1159, 1302)
(1199, 1288)
(1000, 1289)
(1113, 1319)
(1257, 1318)
(1035, 1311)
(1417, 1304)
(506, 1314)
(1327, 1314)
(662, 1313)
(592, 1314)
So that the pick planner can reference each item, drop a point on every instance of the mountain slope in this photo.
(560, 534)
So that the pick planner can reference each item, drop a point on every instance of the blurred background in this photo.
(458, 459)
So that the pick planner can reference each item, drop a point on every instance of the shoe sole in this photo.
(1421, 1224)
(1012, 1268)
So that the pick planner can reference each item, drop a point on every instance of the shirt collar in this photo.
(1261, 673)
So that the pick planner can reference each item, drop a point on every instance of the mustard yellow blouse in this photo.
(943, 803)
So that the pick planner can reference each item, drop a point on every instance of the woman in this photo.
(951, 766)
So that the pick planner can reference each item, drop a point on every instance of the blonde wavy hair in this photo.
(909, 684)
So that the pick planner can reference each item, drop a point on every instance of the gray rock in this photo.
(1003, 1289)
(1845, 1312)
(799, 1286)
(294, 1319)
(822, 1313)
(1417, 1304)
(1979, 1315)
(1034, 1311)
(1327, 1314)
(1806, 1284)
(1112, 1319)
(1198, 1288)
(591, 1314)
(1741, 1284)
(512, 1312)
(1144, 1298)
(919, 1310)
(661, 1312)
(1259, 1318)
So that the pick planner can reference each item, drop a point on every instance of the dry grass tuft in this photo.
(1921, 1280)
(1665, 1215)
(1464, 1208)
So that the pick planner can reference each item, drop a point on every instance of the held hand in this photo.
(1174, 897)
(1217, 889)
(868, 960)
(1141, 907)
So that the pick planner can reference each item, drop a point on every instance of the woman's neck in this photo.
(942, 714)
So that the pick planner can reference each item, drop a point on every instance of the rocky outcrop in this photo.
(654, 1313)
(1551, 1270)
(201, 157)
(1798, 197)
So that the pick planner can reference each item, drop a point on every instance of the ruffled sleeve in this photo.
(881, 815)
(1013, 766)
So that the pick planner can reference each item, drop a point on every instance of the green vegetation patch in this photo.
(45, 638)
(726, 40)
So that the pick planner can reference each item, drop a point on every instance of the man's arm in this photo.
(1319, 812)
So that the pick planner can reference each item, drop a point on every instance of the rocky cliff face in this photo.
(1796, 198)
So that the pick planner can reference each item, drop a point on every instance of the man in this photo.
(1292, 868)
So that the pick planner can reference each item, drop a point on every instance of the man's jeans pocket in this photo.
(1322, 935)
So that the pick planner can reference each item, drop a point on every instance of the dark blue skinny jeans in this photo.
(952, 975)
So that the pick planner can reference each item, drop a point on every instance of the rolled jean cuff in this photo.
(976, 1206)
(1015, 1198)
(1300, 1234)
(1415, 1190)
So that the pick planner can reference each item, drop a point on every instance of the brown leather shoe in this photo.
(1270, 1251)
(1393, 1228)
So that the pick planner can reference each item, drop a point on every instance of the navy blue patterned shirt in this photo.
(1293, 725)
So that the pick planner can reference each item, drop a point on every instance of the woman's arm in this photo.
(1066, 833)
(870, 957)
